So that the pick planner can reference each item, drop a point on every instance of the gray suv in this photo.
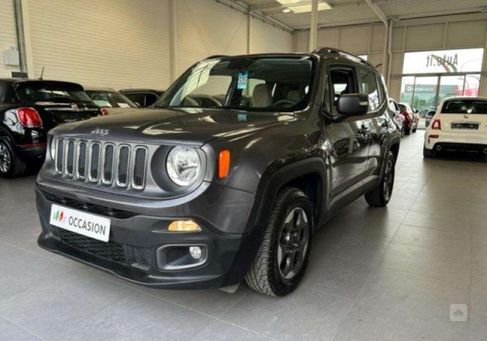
(228, 178)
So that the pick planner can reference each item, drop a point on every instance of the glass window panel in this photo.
(407, 89)
(424, 93)
(450, 86)
(472, 85)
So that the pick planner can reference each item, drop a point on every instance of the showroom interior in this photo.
(412, 270)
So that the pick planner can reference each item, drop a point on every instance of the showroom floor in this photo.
(375, 274)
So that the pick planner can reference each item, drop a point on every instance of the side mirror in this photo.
(353, 104)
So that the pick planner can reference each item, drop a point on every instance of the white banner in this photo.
(86, 224)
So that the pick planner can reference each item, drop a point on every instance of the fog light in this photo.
(195, 252)
(183, 226)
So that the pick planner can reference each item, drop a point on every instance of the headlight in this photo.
(52, 148)
(183, 165)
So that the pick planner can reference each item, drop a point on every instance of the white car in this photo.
(459, 124)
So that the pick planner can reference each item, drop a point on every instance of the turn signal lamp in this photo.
(436, 124)
(223, 163)
(184, 226)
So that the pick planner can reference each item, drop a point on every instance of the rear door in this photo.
(465, 116)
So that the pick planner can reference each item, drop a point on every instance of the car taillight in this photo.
(103, 111)
(29, 117)
(436, 124)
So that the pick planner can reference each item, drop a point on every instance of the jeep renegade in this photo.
(243, 158)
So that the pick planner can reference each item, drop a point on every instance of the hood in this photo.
(196, 126)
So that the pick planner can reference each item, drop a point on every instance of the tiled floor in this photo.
(375, 274)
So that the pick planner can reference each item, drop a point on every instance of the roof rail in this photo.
(322, 51)
(216, 56)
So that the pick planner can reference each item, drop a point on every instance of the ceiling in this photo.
(348, 12)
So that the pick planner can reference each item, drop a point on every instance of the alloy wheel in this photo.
(293, 243)
(5, 158)
(388, 181)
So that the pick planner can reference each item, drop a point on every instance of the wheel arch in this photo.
(309, 175)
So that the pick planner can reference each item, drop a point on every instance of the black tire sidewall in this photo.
(11, 170)
(294, 199)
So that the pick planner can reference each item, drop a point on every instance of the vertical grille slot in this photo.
(123, 166)
(108, 164)
(104, 163)
(82, 160)
(139, 168)
(94, 161)
(59, 156)
(70, 158)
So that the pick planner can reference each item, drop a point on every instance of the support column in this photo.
(385, 58)
(313, 28)
(172, 40)
(249, 30)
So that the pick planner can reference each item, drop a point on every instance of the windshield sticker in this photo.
(243, 80)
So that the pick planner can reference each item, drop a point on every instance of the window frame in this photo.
(329, 68)
(381, 91)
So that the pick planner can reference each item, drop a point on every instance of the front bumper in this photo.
(447, 141)
(132, 251)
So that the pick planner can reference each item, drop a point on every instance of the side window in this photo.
(342, 82)
(367, 83)
(150, 99)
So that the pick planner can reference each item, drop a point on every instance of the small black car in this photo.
(193, 195)
(28, 109)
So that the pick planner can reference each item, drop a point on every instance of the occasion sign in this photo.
(447, 61)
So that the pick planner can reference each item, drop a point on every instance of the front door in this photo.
(349, 138)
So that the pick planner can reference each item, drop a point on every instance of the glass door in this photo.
(450, 86)
(425, 92)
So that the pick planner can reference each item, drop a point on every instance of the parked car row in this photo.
(30, 108)
(405, 117)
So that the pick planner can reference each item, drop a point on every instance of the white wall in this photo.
(118, 43)
(126, 43)
(8, 35)
(266, 38)
(464, 31)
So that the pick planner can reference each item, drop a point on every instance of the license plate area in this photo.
(79, 222)
(465, 126)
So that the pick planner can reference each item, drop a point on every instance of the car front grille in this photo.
(102, 163)
(110, 251)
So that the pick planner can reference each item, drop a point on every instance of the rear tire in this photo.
(283, 255)
(380, 196)
(407, 131)
(10, 164)
(427, 153)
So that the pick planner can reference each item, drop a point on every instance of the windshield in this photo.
(465, 106)
(244, 83)
(51, 92)
(110, 99)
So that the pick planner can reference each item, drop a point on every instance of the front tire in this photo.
(10, 164)
(380, 196)
(283, 255)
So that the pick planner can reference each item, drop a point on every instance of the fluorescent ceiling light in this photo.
(295, 6)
